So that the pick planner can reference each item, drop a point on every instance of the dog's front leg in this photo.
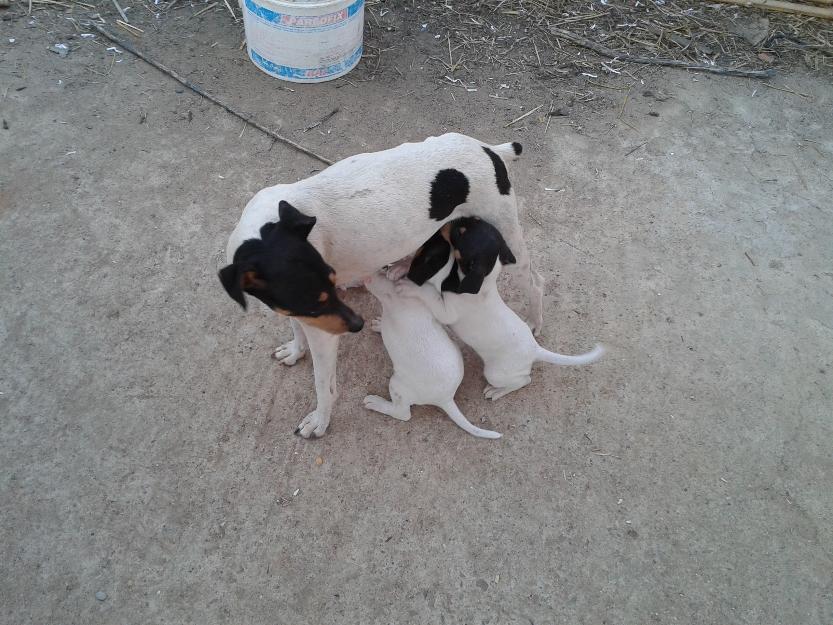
(290, 353)
(324, 349)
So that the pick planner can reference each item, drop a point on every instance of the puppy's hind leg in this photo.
(398, 408)
(455, 415)
(496, 392)
(290, 353)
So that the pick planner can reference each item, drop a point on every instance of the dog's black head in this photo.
(284, 271)
(431, 257)
(476, 246)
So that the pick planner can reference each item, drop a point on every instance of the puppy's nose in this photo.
(355, 324)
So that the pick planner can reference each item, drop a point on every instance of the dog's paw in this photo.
(376, 324)
(495, 392)
(406, 288)
(314, 424)
(398, 270)
(289, 353)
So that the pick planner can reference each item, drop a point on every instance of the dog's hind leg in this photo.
(522, 273)
(291, 352)
(496, 392)
(398, 408)
(324, 348)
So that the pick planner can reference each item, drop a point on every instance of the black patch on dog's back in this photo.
(449, 189)
(517, 147)
(501, 175)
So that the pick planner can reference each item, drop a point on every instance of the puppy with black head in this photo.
(467, 299)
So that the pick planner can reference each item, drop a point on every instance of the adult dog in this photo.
(296, 242)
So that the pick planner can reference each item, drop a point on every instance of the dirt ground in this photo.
(147, 449)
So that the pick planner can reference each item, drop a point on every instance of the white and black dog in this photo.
(296, 242)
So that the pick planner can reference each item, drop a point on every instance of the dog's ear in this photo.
(236, 279)
(230, 278)
(471, 283)
(452, 282)
(267, 228)
(429, 259)
(294, 220)
(505, 254)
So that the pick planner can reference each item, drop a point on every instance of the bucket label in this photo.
(303, 23)
(310, 73)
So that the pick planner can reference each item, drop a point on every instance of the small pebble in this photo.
(180, 90)
(101, 595)
(319, 461)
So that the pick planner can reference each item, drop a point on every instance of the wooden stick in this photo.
(527, 114)
(120, 10)
(206, 95)
(624, 56)
(785, 7)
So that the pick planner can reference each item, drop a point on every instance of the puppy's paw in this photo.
(289, 353)
(406, 288)
(495, 392)
(376, 324)
(314, 424)
(398, 269)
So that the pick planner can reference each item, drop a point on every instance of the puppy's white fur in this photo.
(492, 329)
(371, 210)
(427, 365)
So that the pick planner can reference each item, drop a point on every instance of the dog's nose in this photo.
(355, 324)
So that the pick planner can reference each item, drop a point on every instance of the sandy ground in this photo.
(146, 439)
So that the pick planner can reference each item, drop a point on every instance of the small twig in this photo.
(527, 114)
(322, 120)
(133, 30)
(624, 56)
(632, 150)
(276, 136)
(228, 6)
(198, 13)
(120, 10)
(549, 116)
(749, 258)
(786, 90)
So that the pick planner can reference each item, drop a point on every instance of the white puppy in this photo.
(467, 299)
(427, 365)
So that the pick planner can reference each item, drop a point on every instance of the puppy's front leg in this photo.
(290, 353)
(324, 348)
(429, 296)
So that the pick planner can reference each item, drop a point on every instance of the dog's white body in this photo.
(372, 210)
(493, 330)
(427, 365)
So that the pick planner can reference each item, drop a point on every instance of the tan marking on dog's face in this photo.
(333, 278)
(445, 232)
(282, 311)
(462, 230)
(250, 280)
(458, 255)
(323, 296)
(329, 323)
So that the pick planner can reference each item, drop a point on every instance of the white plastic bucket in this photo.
(303, 40)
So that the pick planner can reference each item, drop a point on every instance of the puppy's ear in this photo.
(294, 220)
(452, 283)
(471, 283)
(266, 228)
(505, 254)
(230, 278)
(429, 259)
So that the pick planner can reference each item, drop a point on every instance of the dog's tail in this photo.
(508, 151)
(544, 355)
(454, 413)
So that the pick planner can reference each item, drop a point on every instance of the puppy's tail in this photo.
(454, 413)
(508, 151)
(544, 355)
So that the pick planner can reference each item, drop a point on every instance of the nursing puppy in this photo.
(427, 365)
(296, 242)
(467, 299)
